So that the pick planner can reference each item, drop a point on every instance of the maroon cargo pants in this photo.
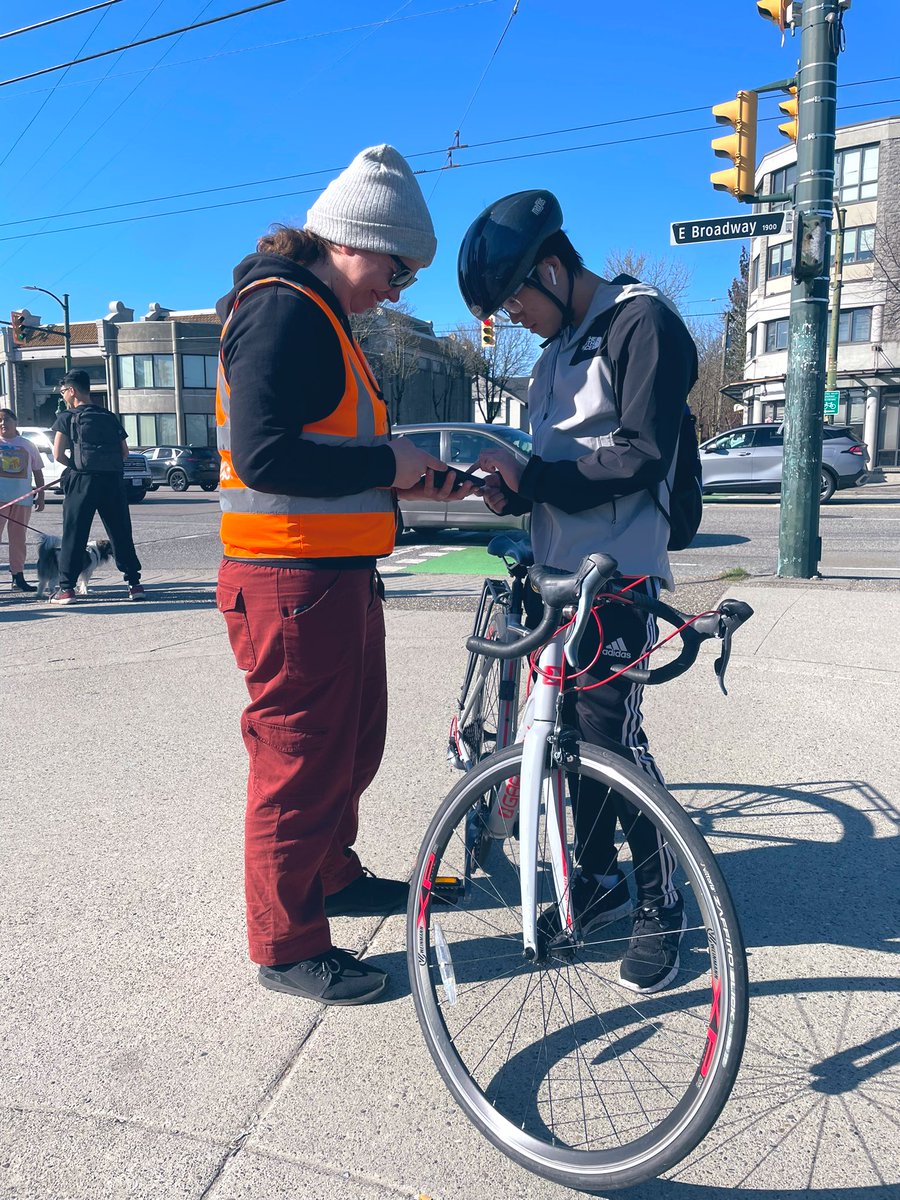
(312, 645)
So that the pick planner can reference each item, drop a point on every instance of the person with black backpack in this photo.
(91, 443)
(615, 470)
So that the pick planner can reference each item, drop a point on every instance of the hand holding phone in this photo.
(440, 478)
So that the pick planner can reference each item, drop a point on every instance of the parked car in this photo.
(138, 479)
(43, 440)
(459, 445)
(749, 459)
(180, 466)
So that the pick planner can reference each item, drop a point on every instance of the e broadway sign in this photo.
(720, 229)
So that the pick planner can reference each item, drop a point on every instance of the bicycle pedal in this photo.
(447, 889)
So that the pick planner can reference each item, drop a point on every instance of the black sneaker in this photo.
(594, 904)
(651, 960)
(19, 583)
(368, 896)
(334, 977)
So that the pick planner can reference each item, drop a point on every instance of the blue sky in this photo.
(303, 87)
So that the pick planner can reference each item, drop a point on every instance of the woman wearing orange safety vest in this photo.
(309, 476)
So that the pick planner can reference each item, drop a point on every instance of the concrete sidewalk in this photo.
(142, 1060)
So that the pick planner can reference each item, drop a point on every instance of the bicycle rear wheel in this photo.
(489, 699)
(564, 1070)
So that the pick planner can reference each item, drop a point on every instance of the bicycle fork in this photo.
(542, 781)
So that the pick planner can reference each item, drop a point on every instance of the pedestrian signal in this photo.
(739, 146)
(487, 332)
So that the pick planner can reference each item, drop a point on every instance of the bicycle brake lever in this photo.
(721, 663)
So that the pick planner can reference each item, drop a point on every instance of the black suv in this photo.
(180, 466)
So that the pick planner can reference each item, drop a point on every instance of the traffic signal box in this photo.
(790, 108)
(487, 332)
(739, 146)
(17, 319)
(775, 10)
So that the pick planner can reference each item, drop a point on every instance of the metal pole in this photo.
(799, 544)
(67, 333)
(836, 281)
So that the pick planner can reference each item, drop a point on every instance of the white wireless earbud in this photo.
(552, 275)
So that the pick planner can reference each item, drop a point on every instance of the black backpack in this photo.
(96, 441)
(685, 509)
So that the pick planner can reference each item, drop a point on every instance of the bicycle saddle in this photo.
(515, 545)
(561, 588)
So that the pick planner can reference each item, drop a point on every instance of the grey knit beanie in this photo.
(376, 204)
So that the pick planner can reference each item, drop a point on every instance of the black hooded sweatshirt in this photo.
(285, 369)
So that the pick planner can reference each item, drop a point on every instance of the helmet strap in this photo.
(568, 316)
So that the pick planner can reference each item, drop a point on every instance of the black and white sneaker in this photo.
(594, 905)
(651, 960)
(335, 977)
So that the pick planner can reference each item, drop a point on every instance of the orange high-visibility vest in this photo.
(262, 525)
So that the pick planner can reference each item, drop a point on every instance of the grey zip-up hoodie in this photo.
(606, 402)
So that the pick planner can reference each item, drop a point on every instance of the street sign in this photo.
(720, 229)
(832, 400)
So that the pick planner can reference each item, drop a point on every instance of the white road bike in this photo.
(574, 1077)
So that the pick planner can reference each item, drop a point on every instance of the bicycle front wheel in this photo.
(488, 706)
(562, 1068)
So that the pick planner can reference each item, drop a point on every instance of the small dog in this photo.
(95, 553)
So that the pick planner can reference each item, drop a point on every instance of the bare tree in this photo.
(714, 412)
(669, 275)
(492, 367)
(392, 346)
(454, 360)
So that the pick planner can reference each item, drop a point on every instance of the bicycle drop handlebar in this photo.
(560, 590)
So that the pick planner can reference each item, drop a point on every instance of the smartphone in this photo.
(441, 476)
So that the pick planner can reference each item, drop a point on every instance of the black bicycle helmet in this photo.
(500, 246)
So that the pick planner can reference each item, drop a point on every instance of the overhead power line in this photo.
(54, 20)
(143, 42)
(331, 170)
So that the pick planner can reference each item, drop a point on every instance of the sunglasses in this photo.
(403, 276)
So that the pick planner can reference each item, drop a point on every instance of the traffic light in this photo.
(487, 332)
(778, 11)
(18, 326)
(790, 108)
(739, 146)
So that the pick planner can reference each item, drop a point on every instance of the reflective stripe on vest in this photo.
(262, 525)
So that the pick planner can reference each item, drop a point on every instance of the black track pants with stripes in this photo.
(610, 716)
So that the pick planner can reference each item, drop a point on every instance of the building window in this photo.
(781, 181)
(200, 429)
(146, 371)
(199, 371)
(856, 174)
(754, 274)
(776, 335)
(855, 325)
(2, 379)
(778, 261)
(751, 343)
(859, 244)
(96, 373)
(150, 429)
(851, 411)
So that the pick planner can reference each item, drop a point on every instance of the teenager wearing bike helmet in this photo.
(605, 401)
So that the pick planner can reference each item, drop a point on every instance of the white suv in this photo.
(43, 440)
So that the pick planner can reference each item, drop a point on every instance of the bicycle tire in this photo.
(677, 1050)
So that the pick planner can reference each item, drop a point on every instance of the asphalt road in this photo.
(860, 534)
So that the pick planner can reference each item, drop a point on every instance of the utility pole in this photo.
(726, 345)
(836, 281)
(799, 544)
